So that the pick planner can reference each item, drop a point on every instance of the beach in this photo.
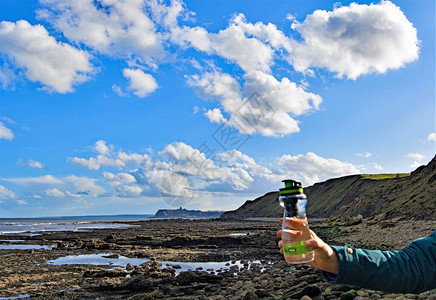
(186, 259)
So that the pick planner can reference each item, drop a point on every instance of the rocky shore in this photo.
(254, 268)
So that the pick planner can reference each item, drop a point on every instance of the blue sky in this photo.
(111, 107)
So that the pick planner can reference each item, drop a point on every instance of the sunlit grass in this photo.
(384, 176)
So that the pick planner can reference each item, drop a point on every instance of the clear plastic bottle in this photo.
(294, 202)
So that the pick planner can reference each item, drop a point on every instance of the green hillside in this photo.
(412, 195)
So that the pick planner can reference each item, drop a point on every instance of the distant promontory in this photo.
(187, 214)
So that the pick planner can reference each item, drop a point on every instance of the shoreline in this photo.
(26, 272)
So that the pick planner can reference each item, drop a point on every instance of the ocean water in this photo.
(31, 226)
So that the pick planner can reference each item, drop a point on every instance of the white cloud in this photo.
(5, 193)
(119, 91)
(356, 40)
(232, 43)
(415, 165)
(366, 154)
(107, 157)
(377, 166)
(215, 115)
(73, 184)
(264, 105)
(56, 65)
(21, 202)
(8, 78)
(142, 84)
(100, 147)
(311, 168)
(6, 133)
(36, 164)
(415, 156)
(431, 137)
(54, 193)
(115, 28)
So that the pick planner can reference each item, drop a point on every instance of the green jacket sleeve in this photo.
(411, 270)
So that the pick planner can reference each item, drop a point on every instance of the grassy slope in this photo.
(412, 195)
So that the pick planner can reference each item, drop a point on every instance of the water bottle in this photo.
(294, 202)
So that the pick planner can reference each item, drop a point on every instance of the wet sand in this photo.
(261, 274)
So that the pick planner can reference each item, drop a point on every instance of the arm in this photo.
(411, 270)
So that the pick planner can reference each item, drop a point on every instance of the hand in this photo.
(325, 258)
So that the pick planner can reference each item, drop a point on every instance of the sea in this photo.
(34, 226)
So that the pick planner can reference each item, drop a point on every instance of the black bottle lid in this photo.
(292, 187)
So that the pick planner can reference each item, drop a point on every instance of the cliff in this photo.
(411, 195)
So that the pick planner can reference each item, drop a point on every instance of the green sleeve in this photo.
(411, 270)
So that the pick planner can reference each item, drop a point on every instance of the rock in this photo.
(137, 283)
(350, 295)
(342, 288)
(308, 279)
(351, 221)
(111, 238)
(261, 294)
(104, 273)
(298, 292)
(189, 277)
(31, 251)
(129, 267)
(60, 245)
(305, 297)
(177, 266)
(250, 296)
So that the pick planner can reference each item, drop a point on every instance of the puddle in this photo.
(12, 241)
(239, 234)
(122, 261)
(97, 260)
(15, 297)
(25, 247)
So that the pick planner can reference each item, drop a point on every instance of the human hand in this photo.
(325, 258)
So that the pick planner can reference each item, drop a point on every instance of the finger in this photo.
(323, 251)
(279, 234)
(281, 220)
(280, 244)
(281, 250)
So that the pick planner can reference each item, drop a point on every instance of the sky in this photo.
(126, 107)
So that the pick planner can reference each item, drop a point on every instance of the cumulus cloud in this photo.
(232, 43)
(140, 83)
(54, 192)
(5, 193)
(431, 137)
(366, 154)
(56, 65)
(36, 164)
(311, 168)
(5, 132)
(51, 185)
(355, 40)
(415, 156)
(114, 28)
(377, 167)
(180, 171)
(215, 115)
(107, 157)
(415, 165)
(262, 105)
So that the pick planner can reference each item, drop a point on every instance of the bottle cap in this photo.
(292, 187)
